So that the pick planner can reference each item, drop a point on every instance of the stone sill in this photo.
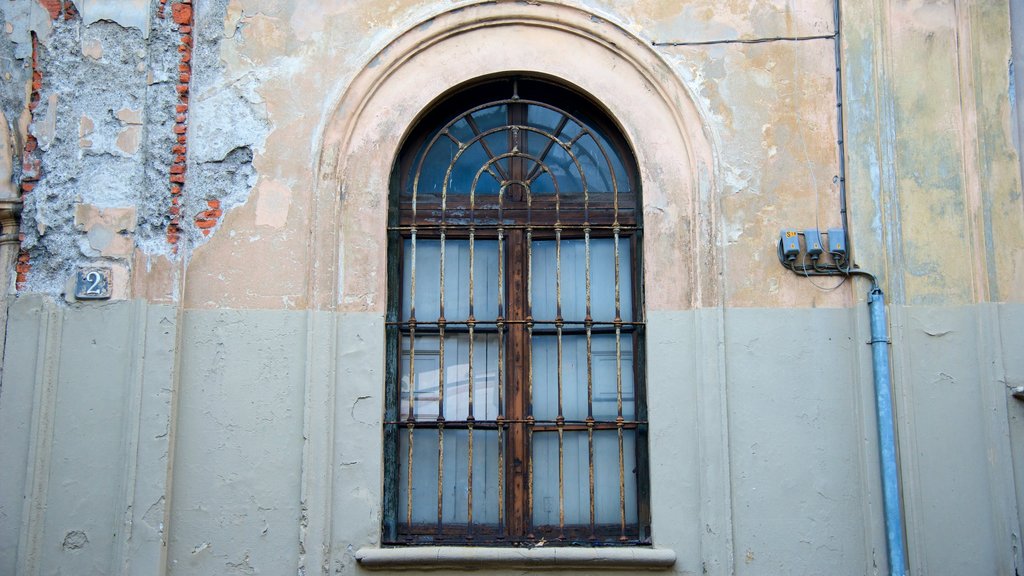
(552, 558)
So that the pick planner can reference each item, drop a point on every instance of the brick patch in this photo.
(181, 12)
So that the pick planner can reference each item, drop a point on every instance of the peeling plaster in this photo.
(126, 13)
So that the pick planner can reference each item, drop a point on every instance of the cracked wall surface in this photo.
(228, 162)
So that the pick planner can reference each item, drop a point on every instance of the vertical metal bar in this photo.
(561, 485)
(501, 370)
(529, 387)
(588, 320)
(412, 372)
(472, 327)
(560, 420)
(408, 489)
(440, 476)
(558, 316)
(441, 376)
(618, 389)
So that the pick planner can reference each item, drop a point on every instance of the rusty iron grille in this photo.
(515, 407)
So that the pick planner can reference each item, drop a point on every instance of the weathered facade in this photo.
(227, 165)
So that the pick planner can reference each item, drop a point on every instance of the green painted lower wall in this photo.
(140, 439)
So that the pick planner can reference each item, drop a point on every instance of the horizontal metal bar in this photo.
(539, 425)
(496, 323)
(460, 227)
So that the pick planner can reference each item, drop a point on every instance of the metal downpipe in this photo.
(886, 433)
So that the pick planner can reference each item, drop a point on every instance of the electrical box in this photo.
(812, 238)
(790, 243)
(837, 242)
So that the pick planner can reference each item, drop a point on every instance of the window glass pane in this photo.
(491, 117)
(455, 493)
(424, 398)
(574, 280)
(597, 168)
(424, 475)
(428, 280)
(456, 477)
(606, 475)
(574, 377)
(576, 477)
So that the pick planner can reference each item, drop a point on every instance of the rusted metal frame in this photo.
(453, 325)
(588, 323)
(471, 324)
(517, 369)
(511, 103)
(528, 322)
(640, 392)
(539, 425)
(501, 326)
(605, 535)
(514, 154)
(441, 372)
(476, 131)
(453, 230)
(392, 389)
(533, 174)
(618, 388)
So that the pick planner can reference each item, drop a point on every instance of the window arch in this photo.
(515, 407)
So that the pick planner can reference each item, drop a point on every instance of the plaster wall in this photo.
(763, 460)
(221, 414)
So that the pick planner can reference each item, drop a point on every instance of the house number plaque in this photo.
(92, 284)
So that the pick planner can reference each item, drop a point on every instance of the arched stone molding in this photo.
(619, 70)
(348, 271)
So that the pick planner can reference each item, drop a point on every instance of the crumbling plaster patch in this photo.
(227, 125)
(104, 128)
(126, 13)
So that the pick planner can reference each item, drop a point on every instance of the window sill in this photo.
(472, 558)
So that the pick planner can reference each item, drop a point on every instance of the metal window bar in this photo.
(501, 324)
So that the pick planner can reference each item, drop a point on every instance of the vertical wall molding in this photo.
(41, 442)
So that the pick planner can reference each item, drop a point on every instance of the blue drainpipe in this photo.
(886, 433)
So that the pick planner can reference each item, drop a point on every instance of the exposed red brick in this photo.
(181, 13)
(181, 108)
(213, 203)
(182, 138)
(182, 88)
(184, 77)
(175, 210)
(180, 128)
(180, 159)
(69, 10)
(178, 169)
(185, 29)
(175, 190)
(186, 39)
(178, 149)
(202, 224)
(178, 178)
(27, 187)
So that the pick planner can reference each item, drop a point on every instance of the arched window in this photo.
(515, 406)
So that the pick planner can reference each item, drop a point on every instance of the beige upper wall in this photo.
(933, 179)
